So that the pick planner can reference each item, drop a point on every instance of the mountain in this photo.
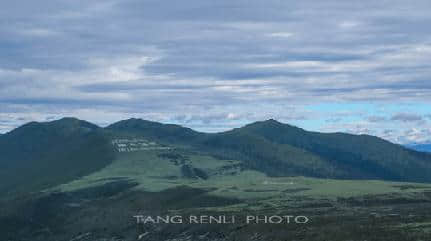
(361, 156)
(420, 147)
(279, 149)
(255, 151)
(57, 152)
(39, 155)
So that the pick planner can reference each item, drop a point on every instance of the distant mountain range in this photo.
(420, 147)
(40, 155)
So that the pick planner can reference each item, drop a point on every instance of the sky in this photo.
(361, 67)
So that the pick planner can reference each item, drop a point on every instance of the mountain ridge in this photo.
(71, 148)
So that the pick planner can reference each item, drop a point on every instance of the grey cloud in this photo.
(136, 85)
(388, 131)
(407, 117)
(334, 120)
(376, 119)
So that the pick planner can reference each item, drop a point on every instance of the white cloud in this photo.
(349, 24)
(281, 35)
(38, 32)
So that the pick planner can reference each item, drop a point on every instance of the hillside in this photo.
(40, 155)
(279, 149)
(362, 156)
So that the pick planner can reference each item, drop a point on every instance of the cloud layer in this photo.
(362, 67)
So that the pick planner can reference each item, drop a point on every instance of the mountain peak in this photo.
(154, 130)
(65, 126)
(73, 123)
(270, 123)
(69, 119)
(134, 123)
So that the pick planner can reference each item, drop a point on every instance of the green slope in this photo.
(283, 150)
(362, 156)
(255, 151)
